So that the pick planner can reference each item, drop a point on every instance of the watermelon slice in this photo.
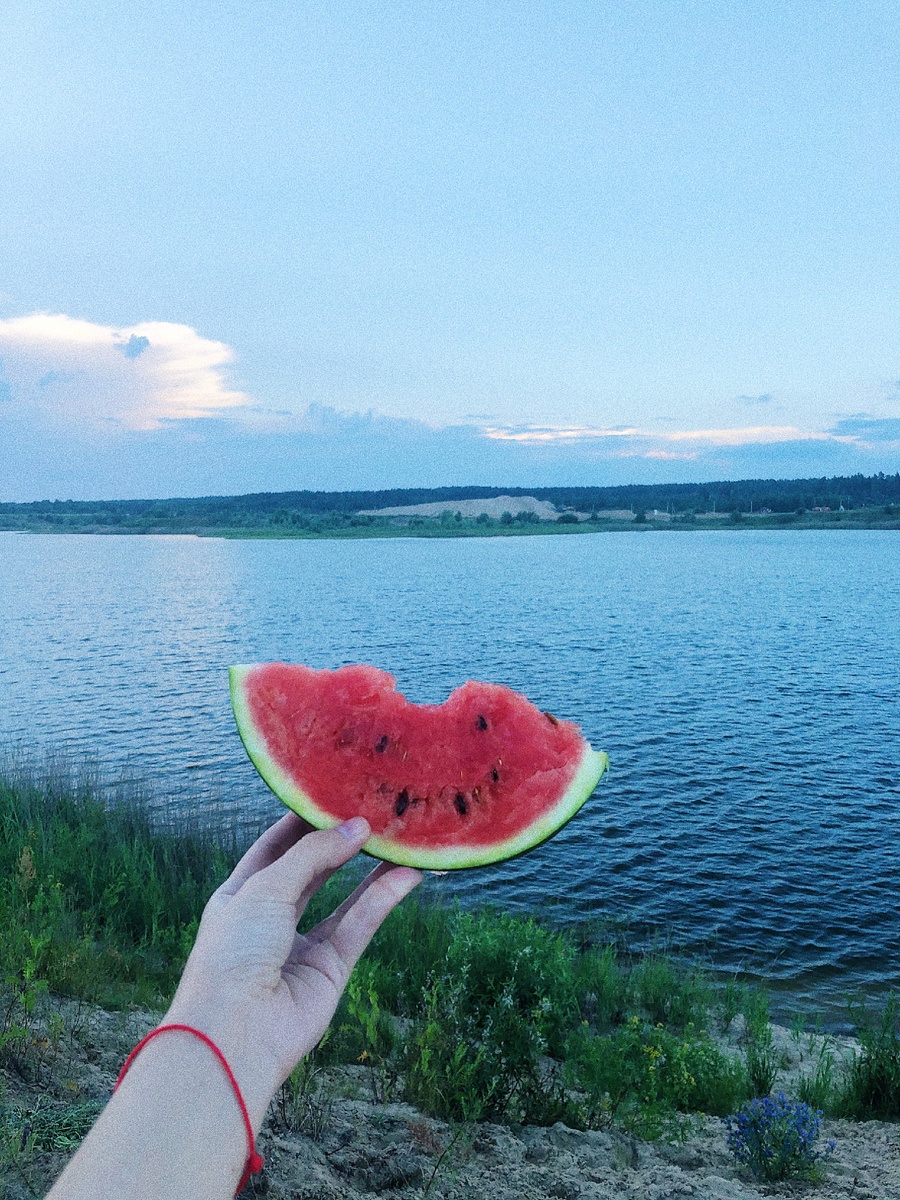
(480, 778)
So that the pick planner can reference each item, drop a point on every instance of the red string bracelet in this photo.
(254, 1160)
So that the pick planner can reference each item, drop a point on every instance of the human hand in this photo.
(262, 992)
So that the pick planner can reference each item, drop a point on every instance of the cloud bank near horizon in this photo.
(90, 411)
(327, 450)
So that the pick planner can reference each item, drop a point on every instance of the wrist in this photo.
(176, 1122)
(236, 1041)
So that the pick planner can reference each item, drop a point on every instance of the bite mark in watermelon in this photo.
(480, 778)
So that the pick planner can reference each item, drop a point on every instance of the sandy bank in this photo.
(344, 1147)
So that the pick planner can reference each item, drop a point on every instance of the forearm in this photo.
(173, 1129)
(263, 994)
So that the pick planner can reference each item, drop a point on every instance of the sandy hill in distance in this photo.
(494, 507)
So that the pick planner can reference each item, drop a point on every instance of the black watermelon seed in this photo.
(402, 803)
(460, 801)
(481, 722)
(550, 717)
(495, 775)
(381, 744)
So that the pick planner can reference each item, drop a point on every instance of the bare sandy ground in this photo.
(394, 1151)
(344, 1147)
(495, 508)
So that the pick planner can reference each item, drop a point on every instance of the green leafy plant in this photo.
(602, 985)
(503, 1002)
(363, 1032)
(643, 1075)
(444, 1075)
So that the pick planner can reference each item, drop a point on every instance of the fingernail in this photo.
(356, 829)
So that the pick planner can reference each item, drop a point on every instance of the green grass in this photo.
(468, 1014)
(95, 901)
(871, 1090)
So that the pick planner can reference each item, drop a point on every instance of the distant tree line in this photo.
(318, 509)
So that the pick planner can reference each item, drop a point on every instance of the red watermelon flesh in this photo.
(477, 779)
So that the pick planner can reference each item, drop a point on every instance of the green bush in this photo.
(644, 1074)
(363, 1032)
(443, 1073)
(409, 949)
(611, 1079)
(513, 963)
(505, 1000)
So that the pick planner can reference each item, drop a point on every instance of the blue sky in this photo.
(339, 245)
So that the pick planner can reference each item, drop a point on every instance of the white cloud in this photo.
(651, 443)
(137, 377)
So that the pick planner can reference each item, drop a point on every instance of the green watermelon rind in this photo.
(591, 768)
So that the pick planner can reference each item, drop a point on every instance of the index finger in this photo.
(306, 864)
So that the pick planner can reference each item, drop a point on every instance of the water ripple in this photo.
(745, 685)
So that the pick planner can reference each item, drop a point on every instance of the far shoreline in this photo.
(852, 520)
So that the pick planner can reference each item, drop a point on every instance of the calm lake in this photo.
(745, 685)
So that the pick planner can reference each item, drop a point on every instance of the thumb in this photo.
(306, 865)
